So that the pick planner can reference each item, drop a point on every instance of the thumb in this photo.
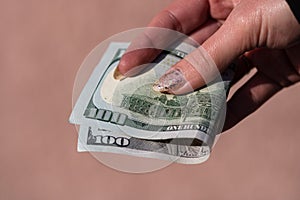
(204, 64)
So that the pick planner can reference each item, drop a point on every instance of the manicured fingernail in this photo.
(117, 74)
(170, 82)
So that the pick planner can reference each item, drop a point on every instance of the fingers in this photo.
(242, 31)
(179, 16)
(234, 37)
(205, 31)
(249, 25)
(130, 62)
(182, 16)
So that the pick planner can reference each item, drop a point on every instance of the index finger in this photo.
(181, 16)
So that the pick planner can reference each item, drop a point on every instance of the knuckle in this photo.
(167, 15)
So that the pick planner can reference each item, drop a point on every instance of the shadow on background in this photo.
(42, 46)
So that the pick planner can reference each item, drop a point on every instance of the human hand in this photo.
(266, 30)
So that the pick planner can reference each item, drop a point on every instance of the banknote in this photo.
(129, 117)
(93, 138)
(131, 105)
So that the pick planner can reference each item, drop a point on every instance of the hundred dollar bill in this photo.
(95, 139)
(132, 106)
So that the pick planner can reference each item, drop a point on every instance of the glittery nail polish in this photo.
(170, 82)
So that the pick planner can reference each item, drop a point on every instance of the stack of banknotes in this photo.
(129, 117)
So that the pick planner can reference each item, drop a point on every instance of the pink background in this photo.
(42, 45)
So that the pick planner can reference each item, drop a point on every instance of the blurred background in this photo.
(43, 43)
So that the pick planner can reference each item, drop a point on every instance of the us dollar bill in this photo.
(95, 139)
(131, 109)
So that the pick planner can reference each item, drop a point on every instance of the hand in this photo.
(265, 31)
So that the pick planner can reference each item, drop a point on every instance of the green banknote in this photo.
(140, 121)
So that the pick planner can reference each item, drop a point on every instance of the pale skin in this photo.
(265, 32)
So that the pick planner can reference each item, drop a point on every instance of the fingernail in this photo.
(170, 82)
(117, 74)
